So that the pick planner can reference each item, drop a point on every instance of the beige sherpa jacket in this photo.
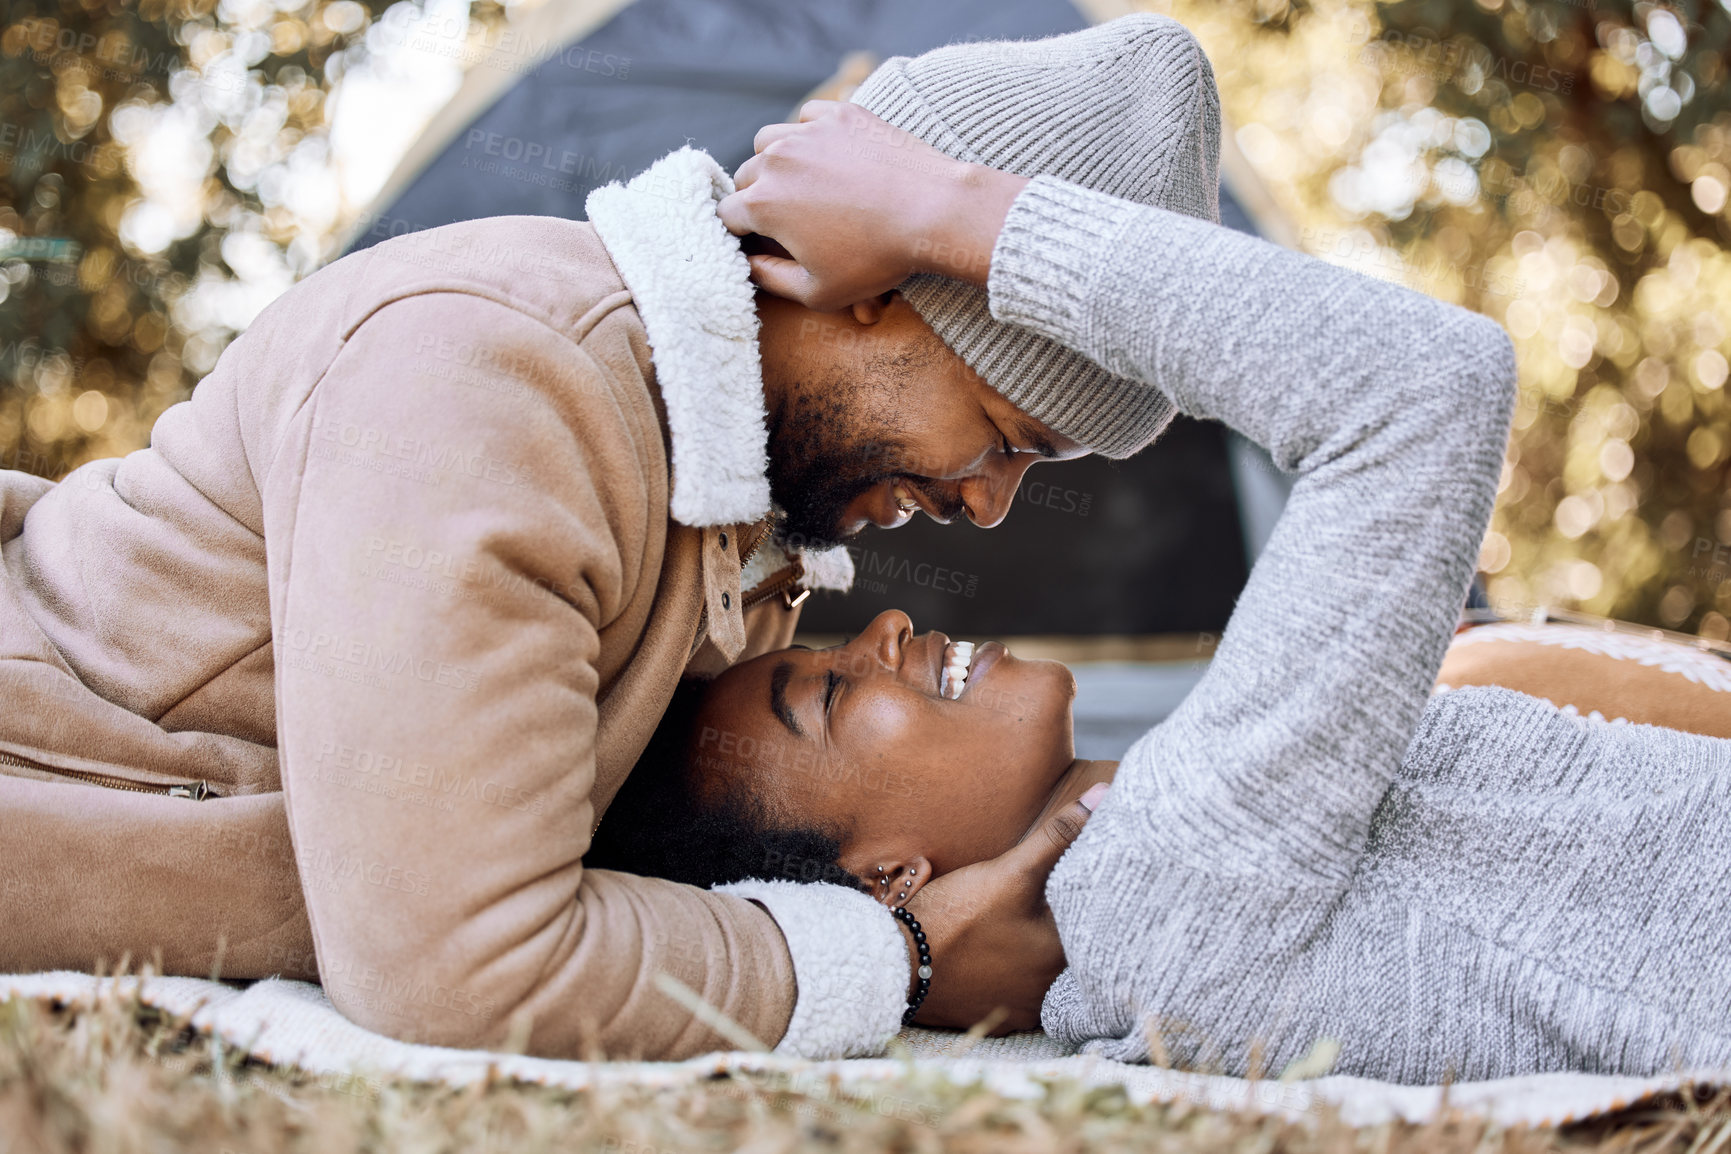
(339, 675)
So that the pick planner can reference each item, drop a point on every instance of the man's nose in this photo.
(987, 495)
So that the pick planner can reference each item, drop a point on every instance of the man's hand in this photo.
(993, 941)
(859, 206)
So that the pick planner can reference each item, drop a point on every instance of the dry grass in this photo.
(123, 1078)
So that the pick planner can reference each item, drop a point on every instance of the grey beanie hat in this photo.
(1128, 108)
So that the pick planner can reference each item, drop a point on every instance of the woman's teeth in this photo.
(957, 658)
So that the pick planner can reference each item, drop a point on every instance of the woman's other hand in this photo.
(993, 942)
(858, 206)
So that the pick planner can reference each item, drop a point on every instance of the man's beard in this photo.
(816, 470)
(834, 440)
(814, 476)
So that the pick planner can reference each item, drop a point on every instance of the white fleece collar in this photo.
(692, 286)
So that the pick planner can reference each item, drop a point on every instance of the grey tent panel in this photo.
(664, 73)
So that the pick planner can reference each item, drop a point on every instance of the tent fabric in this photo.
(658, 75)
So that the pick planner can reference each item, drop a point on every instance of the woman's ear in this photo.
(894, 883)
(871, 311)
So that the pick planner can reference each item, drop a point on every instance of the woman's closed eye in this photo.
(832, 683)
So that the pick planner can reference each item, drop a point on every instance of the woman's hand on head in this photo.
(859, 206)
(993, 941)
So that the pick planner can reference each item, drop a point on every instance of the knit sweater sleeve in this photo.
(1235, 826)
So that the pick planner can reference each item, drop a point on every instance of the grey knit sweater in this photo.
(1311, 847)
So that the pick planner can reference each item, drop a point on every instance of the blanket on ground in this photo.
(292, 1024)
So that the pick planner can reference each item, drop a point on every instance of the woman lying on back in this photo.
(1521, 850)
(1309, 846)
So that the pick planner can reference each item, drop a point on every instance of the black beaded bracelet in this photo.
(925, 970)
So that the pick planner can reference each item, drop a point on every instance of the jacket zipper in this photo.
(756, 544)
(775, 584)
(195, 790)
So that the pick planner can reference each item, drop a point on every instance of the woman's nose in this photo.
(885, 639)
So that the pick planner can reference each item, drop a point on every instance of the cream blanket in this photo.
(292, 1024)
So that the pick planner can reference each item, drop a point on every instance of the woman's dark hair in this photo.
(661, 825)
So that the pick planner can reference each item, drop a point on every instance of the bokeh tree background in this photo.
(167, 167)
(1562, 168)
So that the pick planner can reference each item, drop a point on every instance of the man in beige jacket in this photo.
(365, 642)
(339, 676)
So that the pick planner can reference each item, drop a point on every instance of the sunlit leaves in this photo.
(1566, 169)
(172, 159)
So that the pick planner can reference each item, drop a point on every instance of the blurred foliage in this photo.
(165, 170)
(95, 335)
(1563, 168)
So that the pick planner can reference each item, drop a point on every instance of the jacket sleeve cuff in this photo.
(1053, 239)
(850, 961)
